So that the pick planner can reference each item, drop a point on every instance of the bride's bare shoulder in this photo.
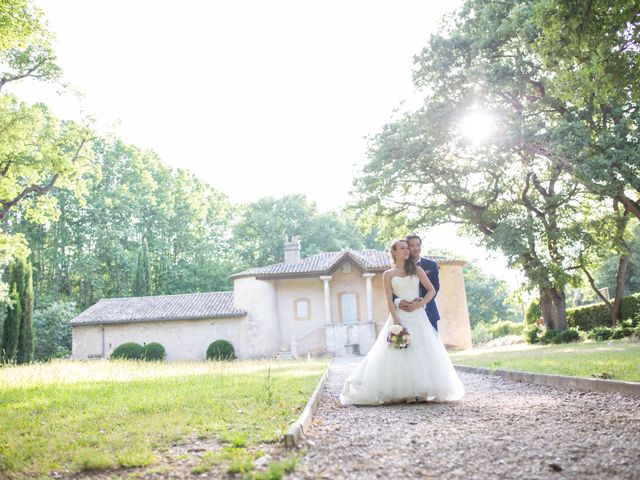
(392, 272)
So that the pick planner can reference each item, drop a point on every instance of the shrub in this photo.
(533, 313)
(154, 352)
(129, 351)
(546, 336)
(624, 329)
(221, 350)
(532, 333)
(600, 333)
(630, 308)
(52, 332)
(566, 336)
(588, 317)
(504, 328)
(480, 334)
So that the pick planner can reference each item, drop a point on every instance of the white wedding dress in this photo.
(423, 369)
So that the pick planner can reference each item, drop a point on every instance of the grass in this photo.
(70, 416)
(619, 358)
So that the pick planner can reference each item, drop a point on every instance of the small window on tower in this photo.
(301, 309)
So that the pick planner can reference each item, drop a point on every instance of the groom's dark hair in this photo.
(412, 236)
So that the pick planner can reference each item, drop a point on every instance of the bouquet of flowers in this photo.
(398, 337)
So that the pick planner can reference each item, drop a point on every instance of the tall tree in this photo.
(518, 190)
(592, 51)
(142, 281)
(25, 334)
(264, 224)
(10, 332)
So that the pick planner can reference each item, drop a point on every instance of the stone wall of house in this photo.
(380, 309)
(454, 326)
(182, 339)
(309, 330)
(87, 342)
(261, 331)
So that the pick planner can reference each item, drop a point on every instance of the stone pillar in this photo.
(327, 300)
(330, 333)
(368, 277)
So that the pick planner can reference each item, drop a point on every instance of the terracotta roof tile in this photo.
(161, 307)
(325, 262)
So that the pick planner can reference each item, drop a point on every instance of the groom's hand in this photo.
(410, 306)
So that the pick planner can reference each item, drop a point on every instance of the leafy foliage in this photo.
(487, 297)
(154, 352)
(588, 317)
(221, 350)
(11, 328)
(128, 351)
(52, 330)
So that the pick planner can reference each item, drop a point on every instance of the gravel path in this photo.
(500, 429)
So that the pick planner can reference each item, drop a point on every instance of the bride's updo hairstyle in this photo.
(409, 266)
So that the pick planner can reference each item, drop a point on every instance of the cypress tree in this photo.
(11, 326)
(25, 337)
(142, 281)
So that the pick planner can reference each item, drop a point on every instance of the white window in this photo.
(302, 310)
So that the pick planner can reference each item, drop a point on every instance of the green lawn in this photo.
(76, 416)
(620, 358)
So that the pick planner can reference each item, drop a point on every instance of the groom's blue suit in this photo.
(431, 268)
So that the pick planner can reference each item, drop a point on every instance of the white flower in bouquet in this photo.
(398, 337)
(396, 329)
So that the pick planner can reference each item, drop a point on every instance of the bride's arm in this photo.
(388, 293)
(428, 286)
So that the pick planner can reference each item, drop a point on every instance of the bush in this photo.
(546, 336)
(533, 313)
(504, 328)
(600, 333)
(129, 351)
(480, 334)
(483, 332)
(221, 350)
(630, 308)
(154, 352)
(566, 336)
(624, 329)
(52, 331)
(532, 333)
(588, 317)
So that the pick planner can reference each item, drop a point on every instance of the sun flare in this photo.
(476, 127)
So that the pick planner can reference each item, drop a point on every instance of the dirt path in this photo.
(500, 429)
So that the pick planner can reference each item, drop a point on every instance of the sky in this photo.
(256, 98)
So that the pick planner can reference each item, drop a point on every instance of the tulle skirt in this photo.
(388, 375)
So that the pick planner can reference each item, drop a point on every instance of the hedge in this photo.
(221, 350)
(588, 317)
(154, 352)
(129, 351)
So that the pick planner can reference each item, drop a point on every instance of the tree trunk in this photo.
(553, 306)
(616, 308)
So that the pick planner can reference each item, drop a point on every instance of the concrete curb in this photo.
(299, 427)
(564, 381)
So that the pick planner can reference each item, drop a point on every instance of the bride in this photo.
(420, 371)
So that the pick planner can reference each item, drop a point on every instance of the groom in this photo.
(431, 268)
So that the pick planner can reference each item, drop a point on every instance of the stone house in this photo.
(330, 303)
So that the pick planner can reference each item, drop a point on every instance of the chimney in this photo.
(292, 250)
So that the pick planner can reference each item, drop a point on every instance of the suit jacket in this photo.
(431, 268)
